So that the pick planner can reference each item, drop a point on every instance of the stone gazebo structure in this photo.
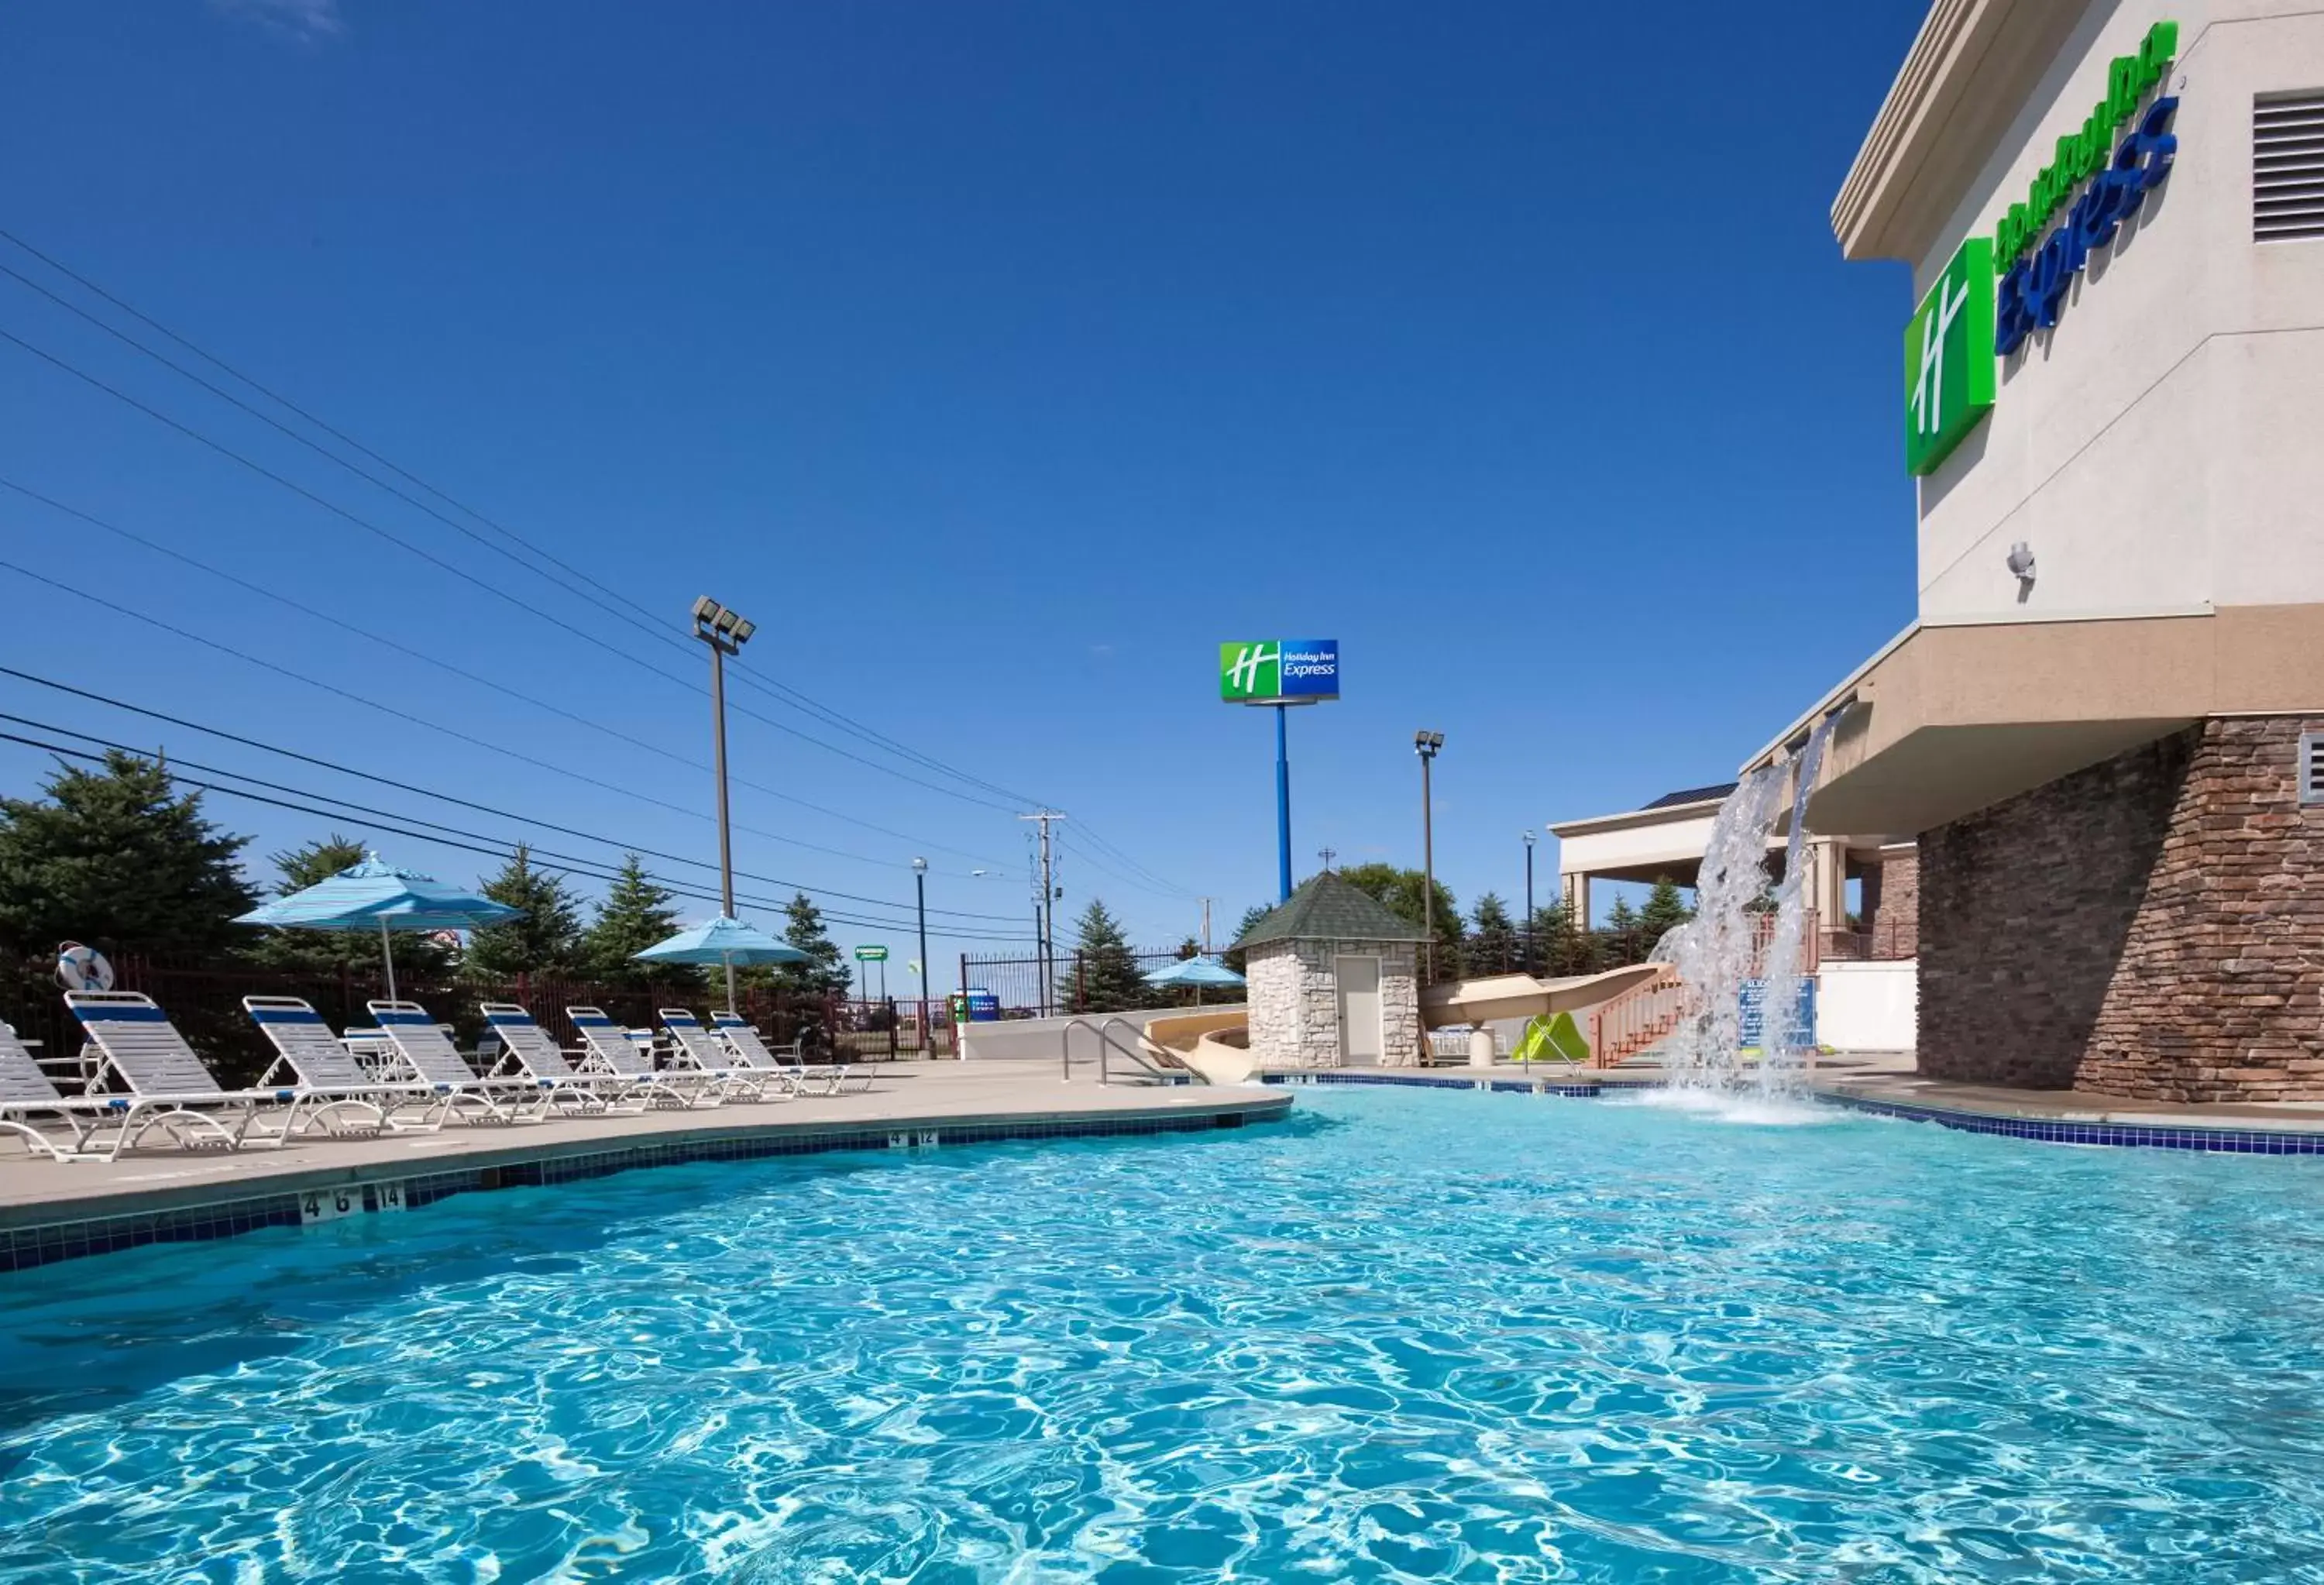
(1331, 981)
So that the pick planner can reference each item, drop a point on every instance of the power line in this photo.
(340, 623)
(338, 767)
(399, 824)
(649, 624)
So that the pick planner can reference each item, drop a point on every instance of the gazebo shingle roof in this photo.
(1327, 909)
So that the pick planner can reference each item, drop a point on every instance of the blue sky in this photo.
(1000, 360)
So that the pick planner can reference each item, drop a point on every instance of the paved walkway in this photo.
(922, 1095)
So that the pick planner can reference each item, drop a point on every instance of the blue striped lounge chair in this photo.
(611, 1053)
(533, 1055)
(427, 1057)
(309, 1056)
(748, 1046)
(145, 1064)
(698, 1048)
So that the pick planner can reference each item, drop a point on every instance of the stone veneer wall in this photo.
(2146, 927)
(1294, 1004)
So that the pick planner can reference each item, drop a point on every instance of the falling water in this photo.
(1715, 953)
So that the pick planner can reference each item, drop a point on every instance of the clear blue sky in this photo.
(1000, 360)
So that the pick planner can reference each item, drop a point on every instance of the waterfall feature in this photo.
(1719, 952)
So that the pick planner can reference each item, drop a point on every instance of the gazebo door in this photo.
(1360, 1009)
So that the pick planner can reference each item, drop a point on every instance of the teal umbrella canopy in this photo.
(377, 896)
(722, 941)
(1194, 971)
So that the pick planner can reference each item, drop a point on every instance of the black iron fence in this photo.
(1018, 983)
(205, 1002)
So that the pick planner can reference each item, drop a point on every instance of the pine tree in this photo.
(112, 859)
(1400, 891)
(1622, 928)
(1493, 946)
(1104, 977)
(826, 974)
(636, 914)
(1234, 958)
(1665, 912)
(419, 956)
(545, 935)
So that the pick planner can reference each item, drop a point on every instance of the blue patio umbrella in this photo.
(377, 896)
(723, 940)
(1194, 971)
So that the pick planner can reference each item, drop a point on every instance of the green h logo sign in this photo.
(1948, 359)
(1250, 671)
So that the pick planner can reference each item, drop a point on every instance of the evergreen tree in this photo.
(1104, 977)
(1400, 891)
(111, 858)
(547, 934)
(1493, 946)
(826, 974)
(1665, 912)
(1622, 931)
(329, 953)
(1251, 915)
(636, 913)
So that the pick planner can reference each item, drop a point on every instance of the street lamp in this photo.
(1527, 834)
(725, 631)
(1425, 744)
(920, 887)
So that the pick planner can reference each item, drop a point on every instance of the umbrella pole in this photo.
(387, 956)
(730, 981)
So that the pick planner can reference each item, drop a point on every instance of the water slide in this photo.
(1522, 996)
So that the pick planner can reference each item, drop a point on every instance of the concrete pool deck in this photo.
(51, 1210)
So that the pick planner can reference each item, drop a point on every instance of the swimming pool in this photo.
(1402, 1335)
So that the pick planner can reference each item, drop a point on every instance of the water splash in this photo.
(1719, 950)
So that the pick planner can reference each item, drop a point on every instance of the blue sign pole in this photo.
(1282, 803)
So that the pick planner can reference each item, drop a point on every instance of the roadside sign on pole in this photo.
(870, 955)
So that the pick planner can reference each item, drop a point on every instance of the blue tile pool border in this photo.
(23, 1246)
(2218, 1139)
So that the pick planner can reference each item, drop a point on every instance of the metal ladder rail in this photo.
(1108, 1043)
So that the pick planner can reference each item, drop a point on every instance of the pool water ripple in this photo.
(1403, 1336)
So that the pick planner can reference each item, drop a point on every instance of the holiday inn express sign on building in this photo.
(1970, 318)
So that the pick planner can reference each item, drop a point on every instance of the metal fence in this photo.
(205, 1002)
(1016, 982)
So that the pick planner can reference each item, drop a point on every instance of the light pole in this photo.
(920, 892)
(1528, 935)
(1425, 744)
(725, 631)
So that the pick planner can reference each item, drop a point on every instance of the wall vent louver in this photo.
(2312, 766)
(2288, 166)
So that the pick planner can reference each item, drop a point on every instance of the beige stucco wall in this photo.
(2156, 449)
(1295, 1008)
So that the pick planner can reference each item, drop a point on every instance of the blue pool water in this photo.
(1403, 1335)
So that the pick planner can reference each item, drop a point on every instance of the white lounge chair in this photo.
(428, 1055)
(699, 1048)
(26, 1092)
(744, 1039)
(306, 1055)
(143, 1061)
(611, 1052)
(531, 1053)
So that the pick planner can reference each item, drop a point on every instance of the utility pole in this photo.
(921, 891)
(1425, 744)
(1046, 915)
(1206, 927)
(1327, 855)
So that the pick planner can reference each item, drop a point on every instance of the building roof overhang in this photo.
(1950, 718)
(1969, 74)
